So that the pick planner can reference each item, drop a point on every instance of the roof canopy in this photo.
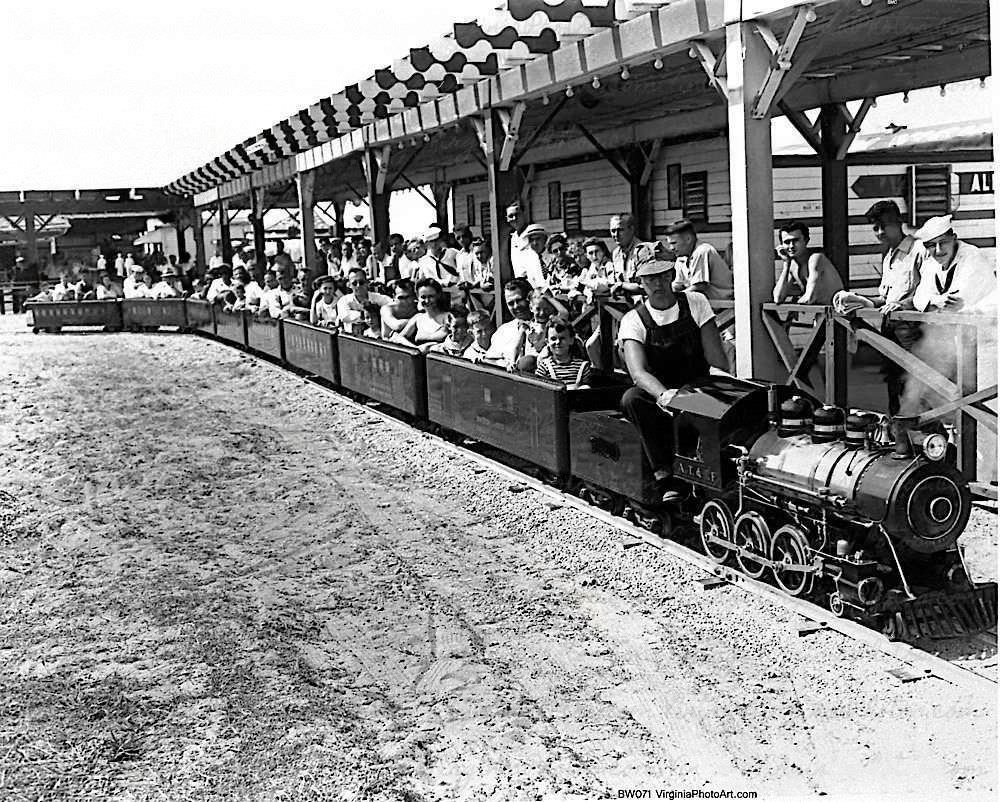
(539, 53)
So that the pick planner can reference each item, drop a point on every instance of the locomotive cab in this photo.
(710, 416)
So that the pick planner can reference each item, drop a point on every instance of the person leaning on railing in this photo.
(902, 266)
(957, 276)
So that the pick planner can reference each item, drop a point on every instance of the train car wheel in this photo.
(716, 522)
(751, 532)
(790, 547)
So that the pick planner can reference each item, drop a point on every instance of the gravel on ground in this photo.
(219, 581)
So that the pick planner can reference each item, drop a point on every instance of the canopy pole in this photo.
(305, 184)
(199, 241)
(378, 197)
(836, 236)
(752, 194)
(504, 188)
(225, 241)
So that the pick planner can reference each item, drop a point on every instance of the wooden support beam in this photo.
(511, 121)
(539, 130)
(608, 155)
(800, 123)
(441, 191)
(805, 55)
(225, 241)
(710, 64)
(781, 59)
(416, 188)
(405, 165)
(181, 225)
(836, 236)
(966, 434)
(751, 188)
(257, 222)
(376, 164)
(201, 263)
(338, 226)
(504, 187)
(305, 184)
(854, 127)
(30, 237)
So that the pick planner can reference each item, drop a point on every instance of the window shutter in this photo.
(695, 191)
(572, 213)
(929, 191)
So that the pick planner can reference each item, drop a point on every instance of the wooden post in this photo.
(338, 218)
(30, 238)
(503, 188)
(833, 132)
(257, 197)
(640, 194)
(442, 191)
(224, 239)
(966, 432)
(752, 195)
(182, 225)
(378, 200)
(201, 263)
(304, 183)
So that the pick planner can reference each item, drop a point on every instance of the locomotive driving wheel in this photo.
(790, 547)
(752, 533)
(716, 522)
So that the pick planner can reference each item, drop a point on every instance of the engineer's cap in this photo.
(654, 267)
(934, 228)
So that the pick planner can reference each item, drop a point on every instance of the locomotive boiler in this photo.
(857, 511)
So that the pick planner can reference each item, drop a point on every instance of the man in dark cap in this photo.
(667, 341)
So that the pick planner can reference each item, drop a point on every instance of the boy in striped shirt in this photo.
(559, 364)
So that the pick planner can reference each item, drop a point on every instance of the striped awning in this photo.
(470, 52)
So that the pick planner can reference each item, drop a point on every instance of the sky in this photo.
(108, 93)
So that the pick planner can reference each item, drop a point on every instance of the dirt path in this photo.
(219, 582)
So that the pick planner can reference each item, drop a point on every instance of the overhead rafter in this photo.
(781, 58)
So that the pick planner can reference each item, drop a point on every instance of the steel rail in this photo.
(926, 663)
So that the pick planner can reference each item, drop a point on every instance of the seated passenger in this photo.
(236, 299)
(807, 276)
(429, 325)
(84, 289)
(510, 341)
(459, 337)
(667, 340)
(559, 364)
(481, 327)
(168, 286)
(144, 284)
(374, 321)
(222, 277)
(280, 303)
(107, 290)
(252, 289)
(64, 289)
(397, 314)
(351, 308)
(44, 294)
(324, 308)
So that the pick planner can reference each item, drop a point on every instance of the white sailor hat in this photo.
(534, 230)
(934, 228)
(431, 234)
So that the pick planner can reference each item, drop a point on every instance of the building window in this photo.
(674, 186)
(470, 210)
(555, 200)
(695, 192)
(929, 192)
(572, 214)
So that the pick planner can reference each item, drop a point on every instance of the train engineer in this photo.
(667, 341)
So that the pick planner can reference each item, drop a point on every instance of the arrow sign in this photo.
(879, 186)
(978, 183)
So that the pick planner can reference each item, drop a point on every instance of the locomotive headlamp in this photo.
(935, 447)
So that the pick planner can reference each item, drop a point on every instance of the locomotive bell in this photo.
(794, 417)
(827, 424)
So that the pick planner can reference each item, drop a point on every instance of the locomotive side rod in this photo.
(928, 664)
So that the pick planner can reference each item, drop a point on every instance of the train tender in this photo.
(853, 511)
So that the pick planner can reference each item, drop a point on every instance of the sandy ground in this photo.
(220, 582)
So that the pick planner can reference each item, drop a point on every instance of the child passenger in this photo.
(481, 327)
(459, 337)
(559, 363)
(374, 320)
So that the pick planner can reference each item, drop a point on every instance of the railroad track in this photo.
(920, 663)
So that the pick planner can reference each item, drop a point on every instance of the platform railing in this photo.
(960, 393)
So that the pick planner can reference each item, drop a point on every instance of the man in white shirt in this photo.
(465, 258)
(528, 263)
(222, 277)
(510, 341)
(279, 300)
(518, 221)
(64, 290)
(440, 262)
(351, 308)
(409, 262)
(482, 264)
(132, 283)
(166, 286)
(957, 276)
(667, 341)
(699, 266)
